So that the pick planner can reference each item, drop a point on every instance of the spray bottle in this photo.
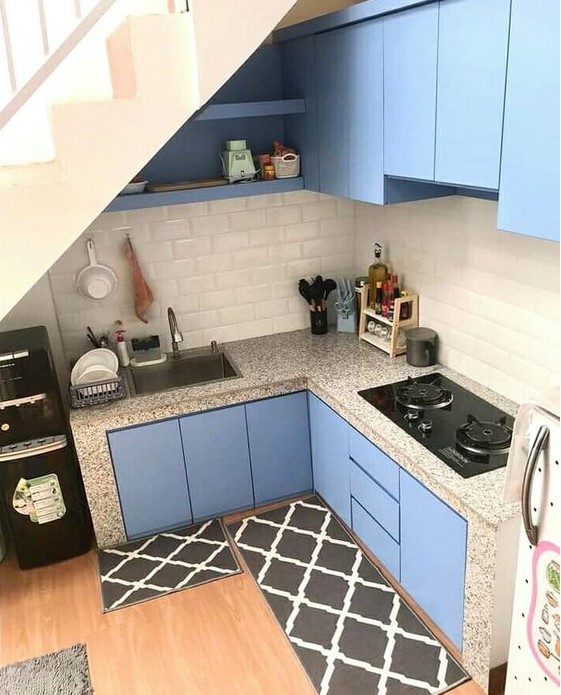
(122, 352)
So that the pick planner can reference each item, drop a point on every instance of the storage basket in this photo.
(96, 393)
(287, 166)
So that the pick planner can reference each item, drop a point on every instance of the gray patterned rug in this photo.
(64, 672)
(350, 629)
(171, 561)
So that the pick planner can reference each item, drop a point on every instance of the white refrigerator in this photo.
(533, 473)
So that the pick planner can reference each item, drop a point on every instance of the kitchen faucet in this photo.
(176, 335)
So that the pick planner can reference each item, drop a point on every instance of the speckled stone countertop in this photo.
(334, 367)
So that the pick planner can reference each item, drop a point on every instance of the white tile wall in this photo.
(493, 297)
(229, 268)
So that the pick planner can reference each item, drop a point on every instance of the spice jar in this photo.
(268, 172)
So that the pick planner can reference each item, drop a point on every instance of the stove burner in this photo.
(484, 438)
(422, 396)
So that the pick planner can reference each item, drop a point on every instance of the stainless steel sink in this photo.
(185, 368)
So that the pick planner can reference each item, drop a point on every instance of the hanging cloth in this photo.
(143, 296)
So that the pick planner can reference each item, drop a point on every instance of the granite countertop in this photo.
(334, 367)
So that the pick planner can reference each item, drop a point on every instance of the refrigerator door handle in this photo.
(535, 450)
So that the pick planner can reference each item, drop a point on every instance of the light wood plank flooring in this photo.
(211, 640)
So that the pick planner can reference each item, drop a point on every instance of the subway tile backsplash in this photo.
(230, 268)
(492, 297)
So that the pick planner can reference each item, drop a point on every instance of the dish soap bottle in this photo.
(122, 352)
(376, 273)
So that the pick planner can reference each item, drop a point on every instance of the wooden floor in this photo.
(210, 640)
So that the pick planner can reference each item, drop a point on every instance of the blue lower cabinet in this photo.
(433, 556)
(375, 500)
(151, 479)
(279, 445)
(217, 461)
(330, 456)
(384, 547)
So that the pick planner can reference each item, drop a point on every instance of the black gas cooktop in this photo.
(466, 432)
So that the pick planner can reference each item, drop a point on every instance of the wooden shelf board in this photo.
(383, 319)
(381, 344)
(197, 195)
(251, 109)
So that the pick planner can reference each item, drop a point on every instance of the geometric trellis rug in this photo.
(171, 561)
(64, 672)
(350, 629)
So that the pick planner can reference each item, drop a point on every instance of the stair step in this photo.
(31, 173)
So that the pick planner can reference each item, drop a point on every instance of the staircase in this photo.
(162, 67)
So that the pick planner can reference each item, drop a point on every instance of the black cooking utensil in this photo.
(91, 337)
(328, 286)
(304, 289)
(316, 292)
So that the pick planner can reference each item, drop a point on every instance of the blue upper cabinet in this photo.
(529, 186)
(217, 461)
(433, 556)
(330, 456)
(472, 55)
(333, 53)
(150, 475)
(299, 82)
(279, 445)
(410, 61)
(365, 103)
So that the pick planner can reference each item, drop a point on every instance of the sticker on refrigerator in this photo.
(40, 499)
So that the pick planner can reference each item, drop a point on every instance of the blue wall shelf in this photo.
(250, 109)
(197, 195)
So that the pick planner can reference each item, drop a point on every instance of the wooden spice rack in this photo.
(390, 345)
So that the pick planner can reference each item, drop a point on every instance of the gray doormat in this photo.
(167, 562)
(64, 672)
(352, 632)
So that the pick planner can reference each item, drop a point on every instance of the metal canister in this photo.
(360, 282)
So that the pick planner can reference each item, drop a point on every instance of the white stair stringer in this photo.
(100, 146)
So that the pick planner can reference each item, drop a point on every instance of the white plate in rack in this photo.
(101, 358)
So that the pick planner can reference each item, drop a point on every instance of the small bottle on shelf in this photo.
(378, 298)
(378, 271)
(391, 310)
(405, 312)
(395, 283)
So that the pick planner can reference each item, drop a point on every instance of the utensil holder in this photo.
(346, 324)
(318, 321)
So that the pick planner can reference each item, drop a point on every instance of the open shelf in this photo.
(197, 195)
(250, 109)
(380, 343)
(382, 319)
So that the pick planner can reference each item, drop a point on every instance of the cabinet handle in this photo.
(535, 450)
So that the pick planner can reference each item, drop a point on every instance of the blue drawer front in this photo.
(375, 463)
(376, 539)
(376, 501)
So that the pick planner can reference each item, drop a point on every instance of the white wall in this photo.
(37, 309)
(228, 268)
(493, 297)
(308, 9)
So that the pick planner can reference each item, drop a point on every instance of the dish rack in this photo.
(395, 343)
(97, 393)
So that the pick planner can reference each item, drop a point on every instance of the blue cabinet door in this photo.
(365, 104)
(299, 82)
(279, 447)
(217, 461)
(529, 185)
(333, 116)
(433, 556)
(150, 475)
(472, 53)
(330, 457)
(410, 59)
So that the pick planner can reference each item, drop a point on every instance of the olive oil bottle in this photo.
(377, 272)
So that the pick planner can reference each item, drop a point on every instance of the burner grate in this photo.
(480, 437)
(421, 395)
